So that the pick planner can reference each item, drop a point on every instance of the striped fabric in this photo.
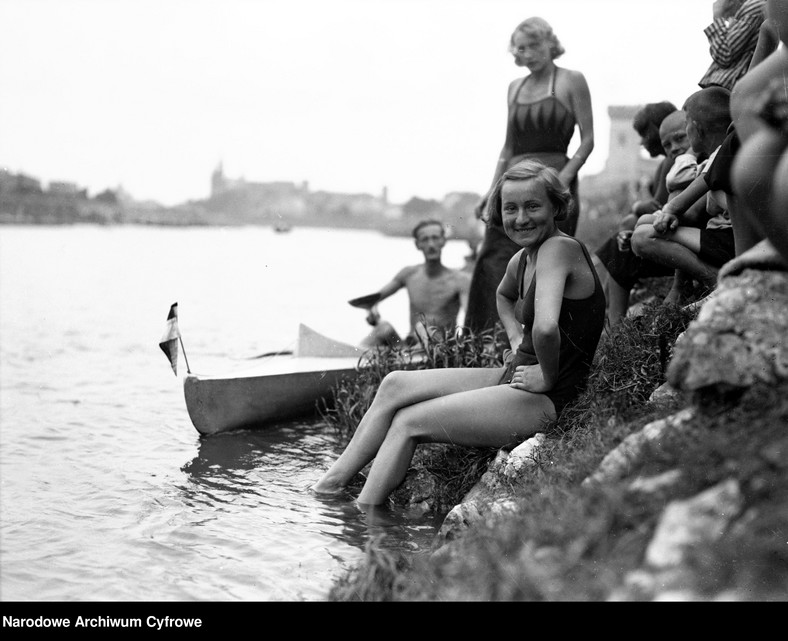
(732, 43)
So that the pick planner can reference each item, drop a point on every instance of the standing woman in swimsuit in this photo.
(544, 108)
(553, 308)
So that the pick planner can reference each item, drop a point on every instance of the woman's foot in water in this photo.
(326, 488)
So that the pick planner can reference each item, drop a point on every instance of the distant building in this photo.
(18, 182)
(7, 180)
(263, 202)
(627, 166)
(63, 188)
(221, 184)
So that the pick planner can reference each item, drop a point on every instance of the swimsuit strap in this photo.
(590, 262)
(524, 259)
(522, 84)
(597, 282)
(520, 273)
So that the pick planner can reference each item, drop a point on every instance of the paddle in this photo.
(365, 302)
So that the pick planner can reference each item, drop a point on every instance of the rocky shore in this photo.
(702, 486)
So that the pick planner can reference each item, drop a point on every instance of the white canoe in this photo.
(275, 388)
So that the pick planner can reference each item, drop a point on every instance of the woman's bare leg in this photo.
(489, 417)
(398, 390)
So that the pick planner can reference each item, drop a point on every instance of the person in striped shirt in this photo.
(733, 36)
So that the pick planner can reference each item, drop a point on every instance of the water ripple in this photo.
(107, 492)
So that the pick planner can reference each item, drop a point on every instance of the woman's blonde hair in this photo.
(558, 193)
(540, 28)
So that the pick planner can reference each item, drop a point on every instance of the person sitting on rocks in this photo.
(664, 237)
(673, 134)
(760, 169)
(552, 307)
(618, 267)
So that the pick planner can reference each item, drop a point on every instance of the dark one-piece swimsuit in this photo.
(580, 324)
(542, 130)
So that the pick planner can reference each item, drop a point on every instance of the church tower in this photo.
(218, 184)
(624, 158)
(627, 163)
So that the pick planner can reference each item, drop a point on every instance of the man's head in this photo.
(647, 121)
(708, 116)
(673, 134)
(430, 237)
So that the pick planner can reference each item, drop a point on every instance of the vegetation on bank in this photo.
(572, 542)
(456, 469)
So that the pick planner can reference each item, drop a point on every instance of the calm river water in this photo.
(107, 492)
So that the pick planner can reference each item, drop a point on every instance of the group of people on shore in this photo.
(713, 198)
(720, 193)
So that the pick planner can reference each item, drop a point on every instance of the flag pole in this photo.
(188, 369)
(172, 336)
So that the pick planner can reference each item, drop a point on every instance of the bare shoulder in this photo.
(560, 248)
(571, 80)
(406, 272)
(514, 85)
(562, 240)
(572, 74)
(516, 82)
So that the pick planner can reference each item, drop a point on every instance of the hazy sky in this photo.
(350, 95)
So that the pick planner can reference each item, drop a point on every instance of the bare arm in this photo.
(464, 289)
(506, 297)
(746, 97)
(778, 205)
(696, 215)
(581, 106)
(552, 272)
(669, 217)
(755, 169)
(767, 43)
(396, 283)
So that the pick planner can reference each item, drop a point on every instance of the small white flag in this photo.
(169, 342)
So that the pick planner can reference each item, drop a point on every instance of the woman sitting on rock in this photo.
(552, 307)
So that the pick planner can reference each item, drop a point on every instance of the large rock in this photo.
(738, 337)
(684, 525)
(523, 457)
(693, 523)
(492, 496)
(618, 462)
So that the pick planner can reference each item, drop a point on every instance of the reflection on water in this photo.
(278, 466)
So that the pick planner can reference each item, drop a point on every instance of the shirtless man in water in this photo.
(436, 292)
